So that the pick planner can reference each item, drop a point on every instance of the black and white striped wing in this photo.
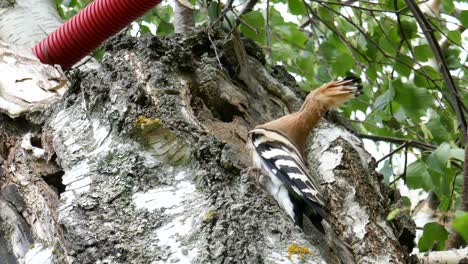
(287, 165)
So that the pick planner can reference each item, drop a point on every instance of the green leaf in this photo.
(448, 6)
(214, 10)
(444, 204)
(254, 20)
(406, 201)
(394, 213)
(391, 4)
(164, 29)
(144, 30)
(413, 99)
(438, 132)
(292, 35)
(452, 55)
(165, 13)
(387, 171)
(275, 17)
(432, 232)
(460, 224)
(371, 73)
(464, 18)
(387, 45)
(439, 158)
(417, 176)
(296, 7)
(422, 52)
(444, 191)
(454, 36)
(337, 55)
(306, 63)
(403, 66)
(423, 74)
(458, 183)
(457, 153)
(343, 64)
(399, 113)
(384, 99)
(409, 28)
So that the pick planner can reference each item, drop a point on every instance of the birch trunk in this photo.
(144, 161)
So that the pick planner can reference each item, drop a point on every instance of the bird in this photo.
(278, 151)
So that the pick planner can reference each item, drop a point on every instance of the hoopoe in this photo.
(278, 149)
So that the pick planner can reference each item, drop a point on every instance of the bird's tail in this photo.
(337, 246)
(335, 93)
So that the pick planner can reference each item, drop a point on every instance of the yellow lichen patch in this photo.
(146, 122)
(299, 250)
(210, 215)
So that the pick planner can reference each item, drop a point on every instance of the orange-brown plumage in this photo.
(297, 126)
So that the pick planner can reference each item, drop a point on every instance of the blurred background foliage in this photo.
(406, 103)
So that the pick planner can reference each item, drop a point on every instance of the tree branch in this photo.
(377, 46)
(464, 205)
(392, 152)
(410, 143)
(449, 256)
(248, 7)
(184, 20)
(428, 31)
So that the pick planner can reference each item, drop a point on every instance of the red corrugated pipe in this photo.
(88, 29)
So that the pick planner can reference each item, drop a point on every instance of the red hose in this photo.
(88, 29)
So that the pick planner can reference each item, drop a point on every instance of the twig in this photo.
(461, 29)
(402, 32)
(245, 23)
(223, 13)
(93, 56)
(360, 7)
(392, 152)
(305, 23)
(396, 179)
(464, 205)
(377, 46)
(406, 164)
(345, 41)
(403, 175)
(454, 100)
(268, 30)
(410, 143)
(215, 49)
(248, 7)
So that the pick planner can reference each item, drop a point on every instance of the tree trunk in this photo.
(144, 161)
(184, 20)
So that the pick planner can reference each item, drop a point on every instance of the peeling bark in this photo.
(455, 256)
(152, 151)
(25, 23)
(26, 84)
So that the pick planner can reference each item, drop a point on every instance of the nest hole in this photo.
(226, 112)
(55, 182)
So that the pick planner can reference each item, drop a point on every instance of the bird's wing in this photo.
(287, 165)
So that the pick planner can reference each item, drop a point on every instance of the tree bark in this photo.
(25, 23)
(144, 161)
(184, 20)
